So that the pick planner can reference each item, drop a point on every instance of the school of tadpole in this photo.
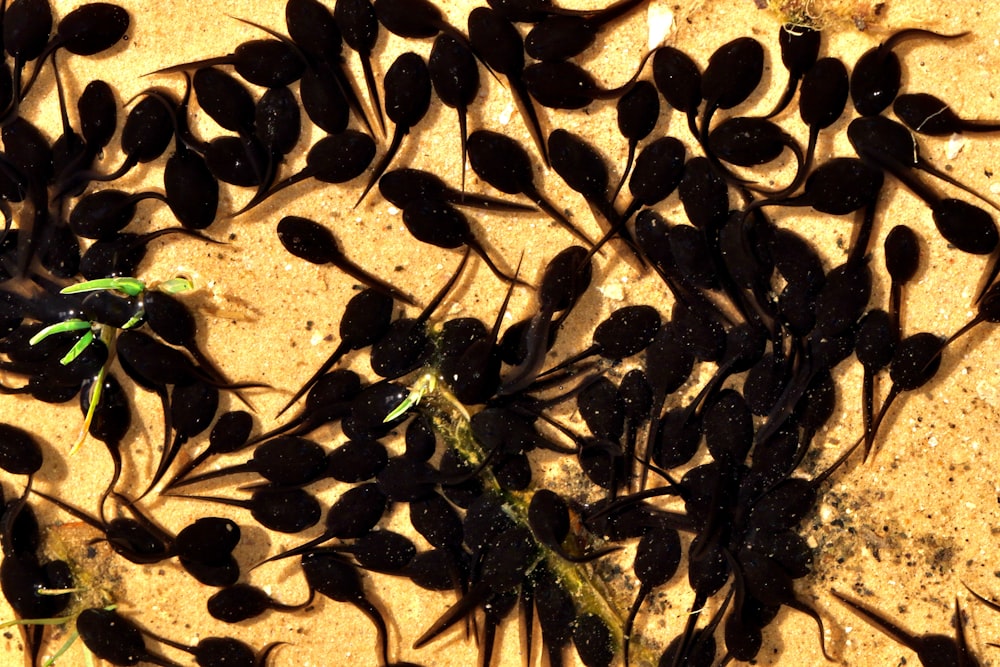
(550, 485)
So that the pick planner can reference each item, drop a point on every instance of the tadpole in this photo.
(415, 19)
(229, 434)
(876, 77)
(565, 85)
(734, 70)
(638, 110)
(657, 558)
(285, 460)
(407, 86)
(336, 158)
(284, 510)
(678, 79)
(242, 602)
(583, 169)
(147, 132)
(564, 34)
(915, 362)
(401, 186)
(328, 574)
(26, 28)
(902, 259)
(658, 171)
(438, 223)
(932, 649)
(358, 25)
(926, 114)
(271, 63)
(454, 73)
(799, 50)
(504, 164)
(316, 244)
(192, 408)
(112, 637)
(626, 332)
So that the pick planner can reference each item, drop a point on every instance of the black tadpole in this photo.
(902, 259)
(933, 650)
(638, 110)
(877, 74)
(229, 434)
(926, 114)
(822, 100)
(358, 25)
(916, 360)
(564, 34)
(336, 158)
(504, 164)
(732, 74)
(454, 73)
(438, 223)
(401, 186)
(328, 574)
(799, 50)
(316, 244)
(678, 79)
(584, 170)
(285, 510)
(407, 100)
(114, 638)
(241, 602)
(271, 63)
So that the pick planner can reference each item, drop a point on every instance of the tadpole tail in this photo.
(260, 197)
(187, 468)
(339, 352)
(166, 459)
(194, 64)
(384, 162)
(463, 130)
(526, 105)
(375, 616)
(353, 101)
(786, 95)
(870, 444)
(556, 215)
(629, 159)
(478, 248)
(373, 281)
(221, 472)
(461, 609)
(116, 460)
(373, 97)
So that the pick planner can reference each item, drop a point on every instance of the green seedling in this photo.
(59, 620)
(63, 327)
(428, 383)
(132, 287)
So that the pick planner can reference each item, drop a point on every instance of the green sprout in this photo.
(58, 620)
(73, 324)
(132, 287)
(428, 383)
